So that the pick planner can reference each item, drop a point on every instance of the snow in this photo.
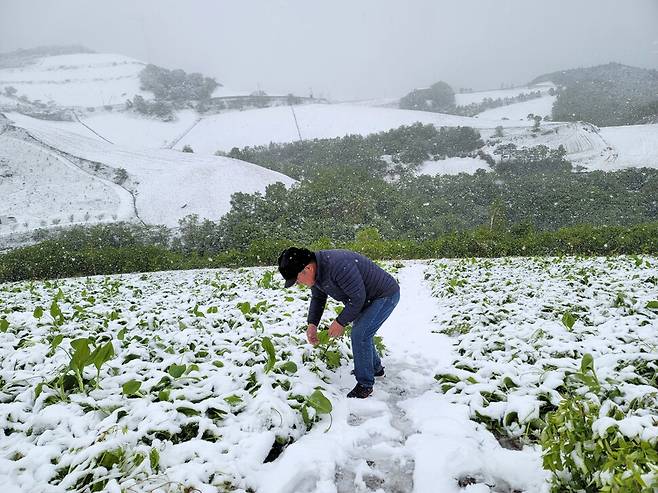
(453, 166)
(316, 121)
(134, 130)
(542, 106)
(36, 190)
(635, 145)
(223, 92)
(409, 436)
(78, 80)
(587, 146)
(479, 96)
(168, 185)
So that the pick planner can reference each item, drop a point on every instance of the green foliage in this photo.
(176, 85)
(473, 109)
(582, 460)
(175, 370)
(605, 95)
(160, 109)
(538, 159)
(320, 403)
(439, 97)
(50, 260)
(266, 342)
(407, 147)
(568, 320)
(131, 387)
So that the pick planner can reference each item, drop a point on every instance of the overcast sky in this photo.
(347, 49)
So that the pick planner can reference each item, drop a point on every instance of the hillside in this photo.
(76, 80)
(605, 95)
(68, 175)
(262, 126)
(55, 168)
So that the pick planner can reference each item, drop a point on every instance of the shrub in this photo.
(584, 460)
(439, 97)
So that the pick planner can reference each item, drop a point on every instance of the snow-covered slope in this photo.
(479, 96)
(167, 185)
(36, 190)
(82, 80)
(262, 126)
(453, 166)
(519, 111)
(133, 129)
(592, 148)
(634, 145)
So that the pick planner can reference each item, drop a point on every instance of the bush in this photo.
(93, 251)
(439, 97)
(176, 85)
(611, 94)
(583, 460)
(407, 146)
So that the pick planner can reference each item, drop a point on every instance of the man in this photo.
(369, 293)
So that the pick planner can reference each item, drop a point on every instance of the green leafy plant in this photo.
(581, 460)
(266, 342)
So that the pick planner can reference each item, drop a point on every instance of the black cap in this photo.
(292, 261)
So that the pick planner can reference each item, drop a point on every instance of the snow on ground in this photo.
(453, 166)
(277, 124)
(134, 130)
(168, 185)
(224, 92)
(590, 147)
(84, 79)
(519, 111)
(375, 103)
(635, 145)
(207, 368)
(479, 96)
(36, 190)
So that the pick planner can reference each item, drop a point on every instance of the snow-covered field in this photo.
(36, 191)
(453, 166)
(83, 79)
(198, 373)
(635, 145)
(168, 185)
(606, 148)
(479, 96)
(134, 130)
(316, 121)
(519, 111)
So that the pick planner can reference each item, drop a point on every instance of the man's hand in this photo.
(312, 334)
(336, 329)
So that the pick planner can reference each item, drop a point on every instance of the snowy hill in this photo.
(316, 121)
(77, 80)
(66, 172)
(56, 174)
(463, 99)
(542, 106)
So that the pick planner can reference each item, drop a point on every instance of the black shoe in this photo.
(379, 373)
(360, 392)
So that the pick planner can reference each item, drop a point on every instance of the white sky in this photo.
(347, 49)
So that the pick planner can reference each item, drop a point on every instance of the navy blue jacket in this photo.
(350, 278)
